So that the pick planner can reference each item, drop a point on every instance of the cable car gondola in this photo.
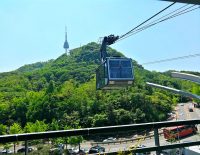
(114, 72)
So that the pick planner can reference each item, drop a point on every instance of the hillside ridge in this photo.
(63, 91)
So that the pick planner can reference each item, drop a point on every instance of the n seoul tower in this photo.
(66, 45)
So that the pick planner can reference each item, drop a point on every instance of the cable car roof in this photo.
(185, 1)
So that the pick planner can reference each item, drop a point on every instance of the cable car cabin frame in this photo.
(114, 73)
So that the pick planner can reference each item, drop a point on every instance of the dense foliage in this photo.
(61, 94)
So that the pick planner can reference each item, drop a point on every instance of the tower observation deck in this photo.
(66, 44)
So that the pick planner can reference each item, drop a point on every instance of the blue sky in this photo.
(33, 31)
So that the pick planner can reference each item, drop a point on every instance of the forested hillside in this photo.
(61, 94)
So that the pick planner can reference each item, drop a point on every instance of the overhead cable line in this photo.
(172, 59)
(159, 21)
(147, 20)
(168, 14)
(151, 23)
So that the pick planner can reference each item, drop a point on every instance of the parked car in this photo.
(82, 152)
(190, 108)
(110, 139)
(70, 151)
(73, 151)
(169, 114)
(137, 147)
(23, 149)
(96, 149)
(61, 146)
(6, 151)
(175, 151)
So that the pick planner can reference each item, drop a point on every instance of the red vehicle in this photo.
(179, 131)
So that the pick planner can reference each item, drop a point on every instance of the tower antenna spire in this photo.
(65, 33)
(66, 44)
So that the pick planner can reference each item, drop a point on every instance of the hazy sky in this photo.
(33, 31)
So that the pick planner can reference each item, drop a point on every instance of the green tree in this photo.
(100, 120)
(3, 129)
(38, 126)
(51, 87)
(75, 140)
(138, 116)
(54, 125)
(123, 116)
(15, 129)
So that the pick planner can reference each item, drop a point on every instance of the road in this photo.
(182, 113)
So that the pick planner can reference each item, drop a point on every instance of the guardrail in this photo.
(108, 129)
(92, 131)
(125, 140)
(157, 148)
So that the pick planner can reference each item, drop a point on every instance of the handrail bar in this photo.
(157, 148)
(91, 131)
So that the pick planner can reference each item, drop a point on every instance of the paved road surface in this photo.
(182, 113)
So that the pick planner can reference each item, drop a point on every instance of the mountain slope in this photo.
(64, 89)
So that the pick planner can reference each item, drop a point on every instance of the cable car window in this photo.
(120, 69)
(125, 63)
(126, 73)
(114, 63)
(114, 73)
(100, 76)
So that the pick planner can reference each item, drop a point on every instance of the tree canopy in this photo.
(61, 93)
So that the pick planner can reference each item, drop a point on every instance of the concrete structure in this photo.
(185, 76)
(185, 1)
(174, 90)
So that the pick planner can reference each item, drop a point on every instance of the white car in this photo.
(110, 139)
(6, 151)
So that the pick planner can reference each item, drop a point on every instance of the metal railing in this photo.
(108, 129)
